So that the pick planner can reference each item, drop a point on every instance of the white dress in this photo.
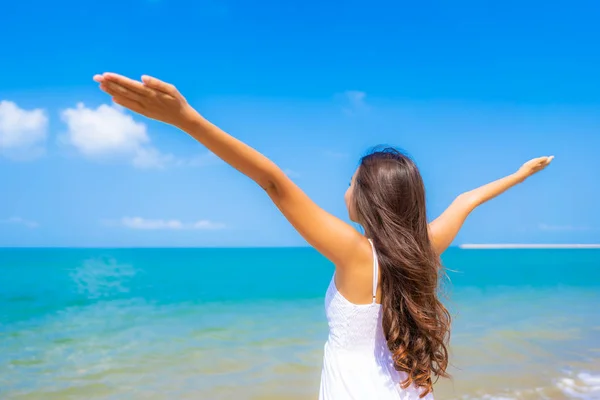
(357, 363)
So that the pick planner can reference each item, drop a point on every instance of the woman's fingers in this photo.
(536, 164)
(544, 162)
(132, 85)
(128, 103)
(153, 98)
(115, 89)
(159, 85)
(151, 87)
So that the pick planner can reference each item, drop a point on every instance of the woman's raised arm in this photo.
(335, 239)
(444, 229)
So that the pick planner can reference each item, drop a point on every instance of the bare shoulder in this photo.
(355, 280)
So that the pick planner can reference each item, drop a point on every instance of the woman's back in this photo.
(357, 362)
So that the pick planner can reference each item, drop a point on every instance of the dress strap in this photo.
(375, 271)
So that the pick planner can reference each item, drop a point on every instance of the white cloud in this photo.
(22, 132)
(149, 157)
(20, 221)
(205, 224)
(356, 98)
(104, 130)
(108, 131)
(168, 224)
(353, 102)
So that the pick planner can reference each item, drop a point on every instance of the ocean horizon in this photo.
(249, 323)
(463, 246)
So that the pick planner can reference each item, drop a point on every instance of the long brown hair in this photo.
(389, 199)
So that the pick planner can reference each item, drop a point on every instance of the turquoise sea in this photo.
(249, 323)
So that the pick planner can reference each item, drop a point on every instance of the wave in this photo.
(582, 385)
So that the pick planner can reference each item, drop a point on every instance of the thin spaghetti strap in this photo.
(375, 271)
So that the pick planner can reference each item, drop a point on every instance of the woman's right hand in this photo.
(151, 97)
(534, 166)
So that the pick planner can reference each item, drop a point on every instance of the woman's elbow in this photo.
(467, 200)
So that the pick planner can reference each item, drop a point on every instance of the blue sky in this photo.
(471, 89)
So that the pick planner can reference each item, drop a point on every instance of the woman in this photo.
(388, 331)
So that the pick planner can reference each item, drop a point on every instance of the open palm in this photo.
(151, 97)
(536, 165)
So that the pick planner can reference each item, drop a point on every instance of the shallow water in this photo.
(249, 324)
